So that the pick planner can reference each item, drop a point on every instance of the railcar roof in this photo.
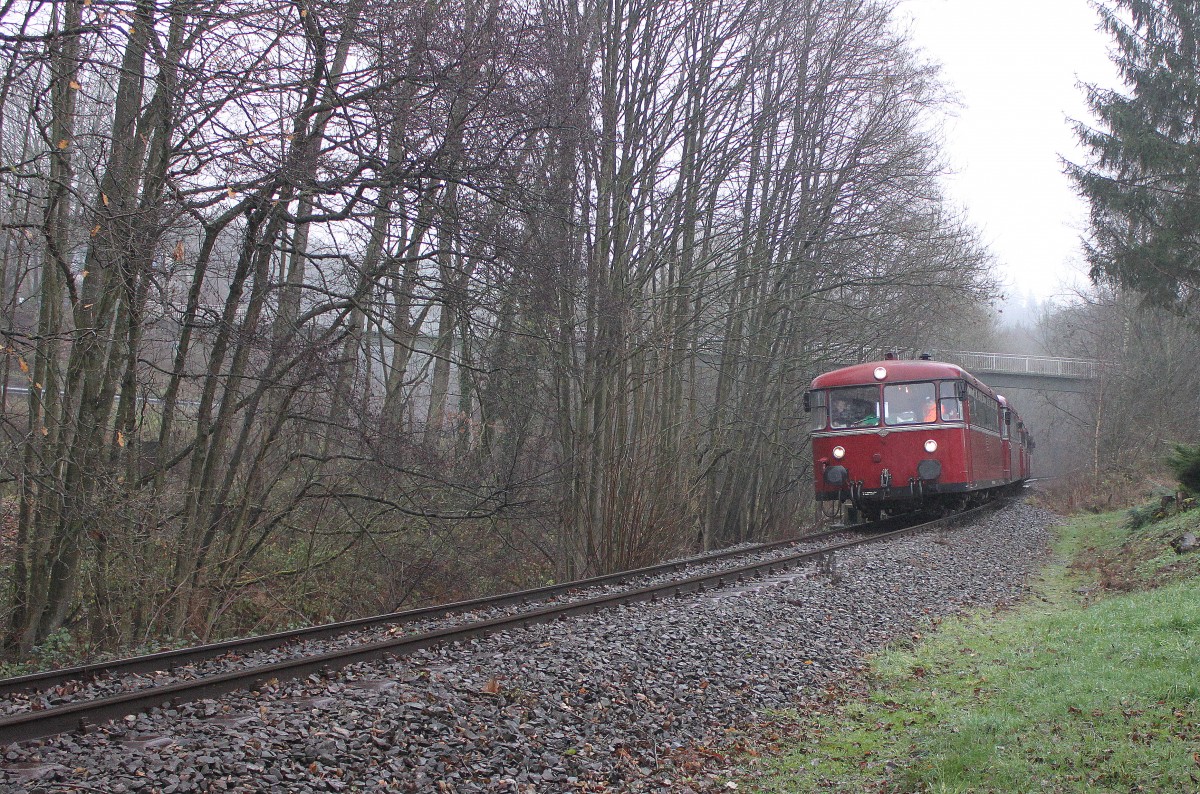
(898, 371)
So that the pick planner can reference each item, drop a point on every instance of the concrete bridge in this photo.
(1040, 373)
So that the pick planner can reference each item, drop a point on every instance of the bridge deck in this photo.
(1040, 366)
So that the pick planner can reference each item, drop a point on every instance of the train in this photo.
(897, 435)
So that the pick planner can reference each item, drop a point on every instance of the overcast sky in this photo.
(1016, 67)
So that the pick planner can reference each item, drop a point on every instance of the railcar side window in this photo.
(857, 406)
(819, 413)
(908, 403)
(985, 412)
(951, 406)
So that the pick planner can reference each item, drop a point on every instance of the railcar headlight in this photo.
(839, 453)
(880, 373)
(931, 446)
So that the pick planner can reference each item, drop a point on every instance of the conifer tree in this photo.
(1143, 176)
(1185, 463)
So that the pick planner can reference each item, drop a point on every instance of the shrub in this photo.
(1185, 463)
(1141, 515)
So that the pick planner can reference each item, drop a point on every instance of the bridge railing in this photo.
(1031, 365)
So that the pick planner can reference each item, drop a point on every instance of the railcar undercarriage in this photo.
(855, 505)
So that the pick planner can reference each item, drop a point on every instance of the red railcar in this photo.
(896, 435)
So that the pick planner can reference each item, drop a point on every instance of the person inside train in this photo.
(841, 413)
(951, 409)
(929, 409)
(853, 411)
(870, 417)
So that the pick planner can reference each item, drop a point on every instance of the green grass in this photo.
(1067, 693)
(1133, 559)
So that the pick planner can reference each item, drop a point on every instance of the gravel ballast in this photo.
(102, 685)
(647, 697)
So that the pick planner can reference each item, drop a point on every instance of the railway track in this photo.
(171, 660)
(86, 714)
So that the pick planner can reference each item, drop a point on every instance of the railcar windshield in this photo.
(909, 403)
(856, 406)
(951, 405)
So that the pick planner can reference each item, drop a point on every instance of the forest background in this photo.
(314, 309)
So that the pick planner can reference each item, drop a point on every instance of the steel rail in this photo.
(171, 659)
(85, 715)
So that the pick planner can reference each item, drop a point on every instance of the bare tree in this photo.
(412, 288)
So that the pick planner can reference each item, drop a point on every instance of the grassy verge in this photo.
(1080, 689)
